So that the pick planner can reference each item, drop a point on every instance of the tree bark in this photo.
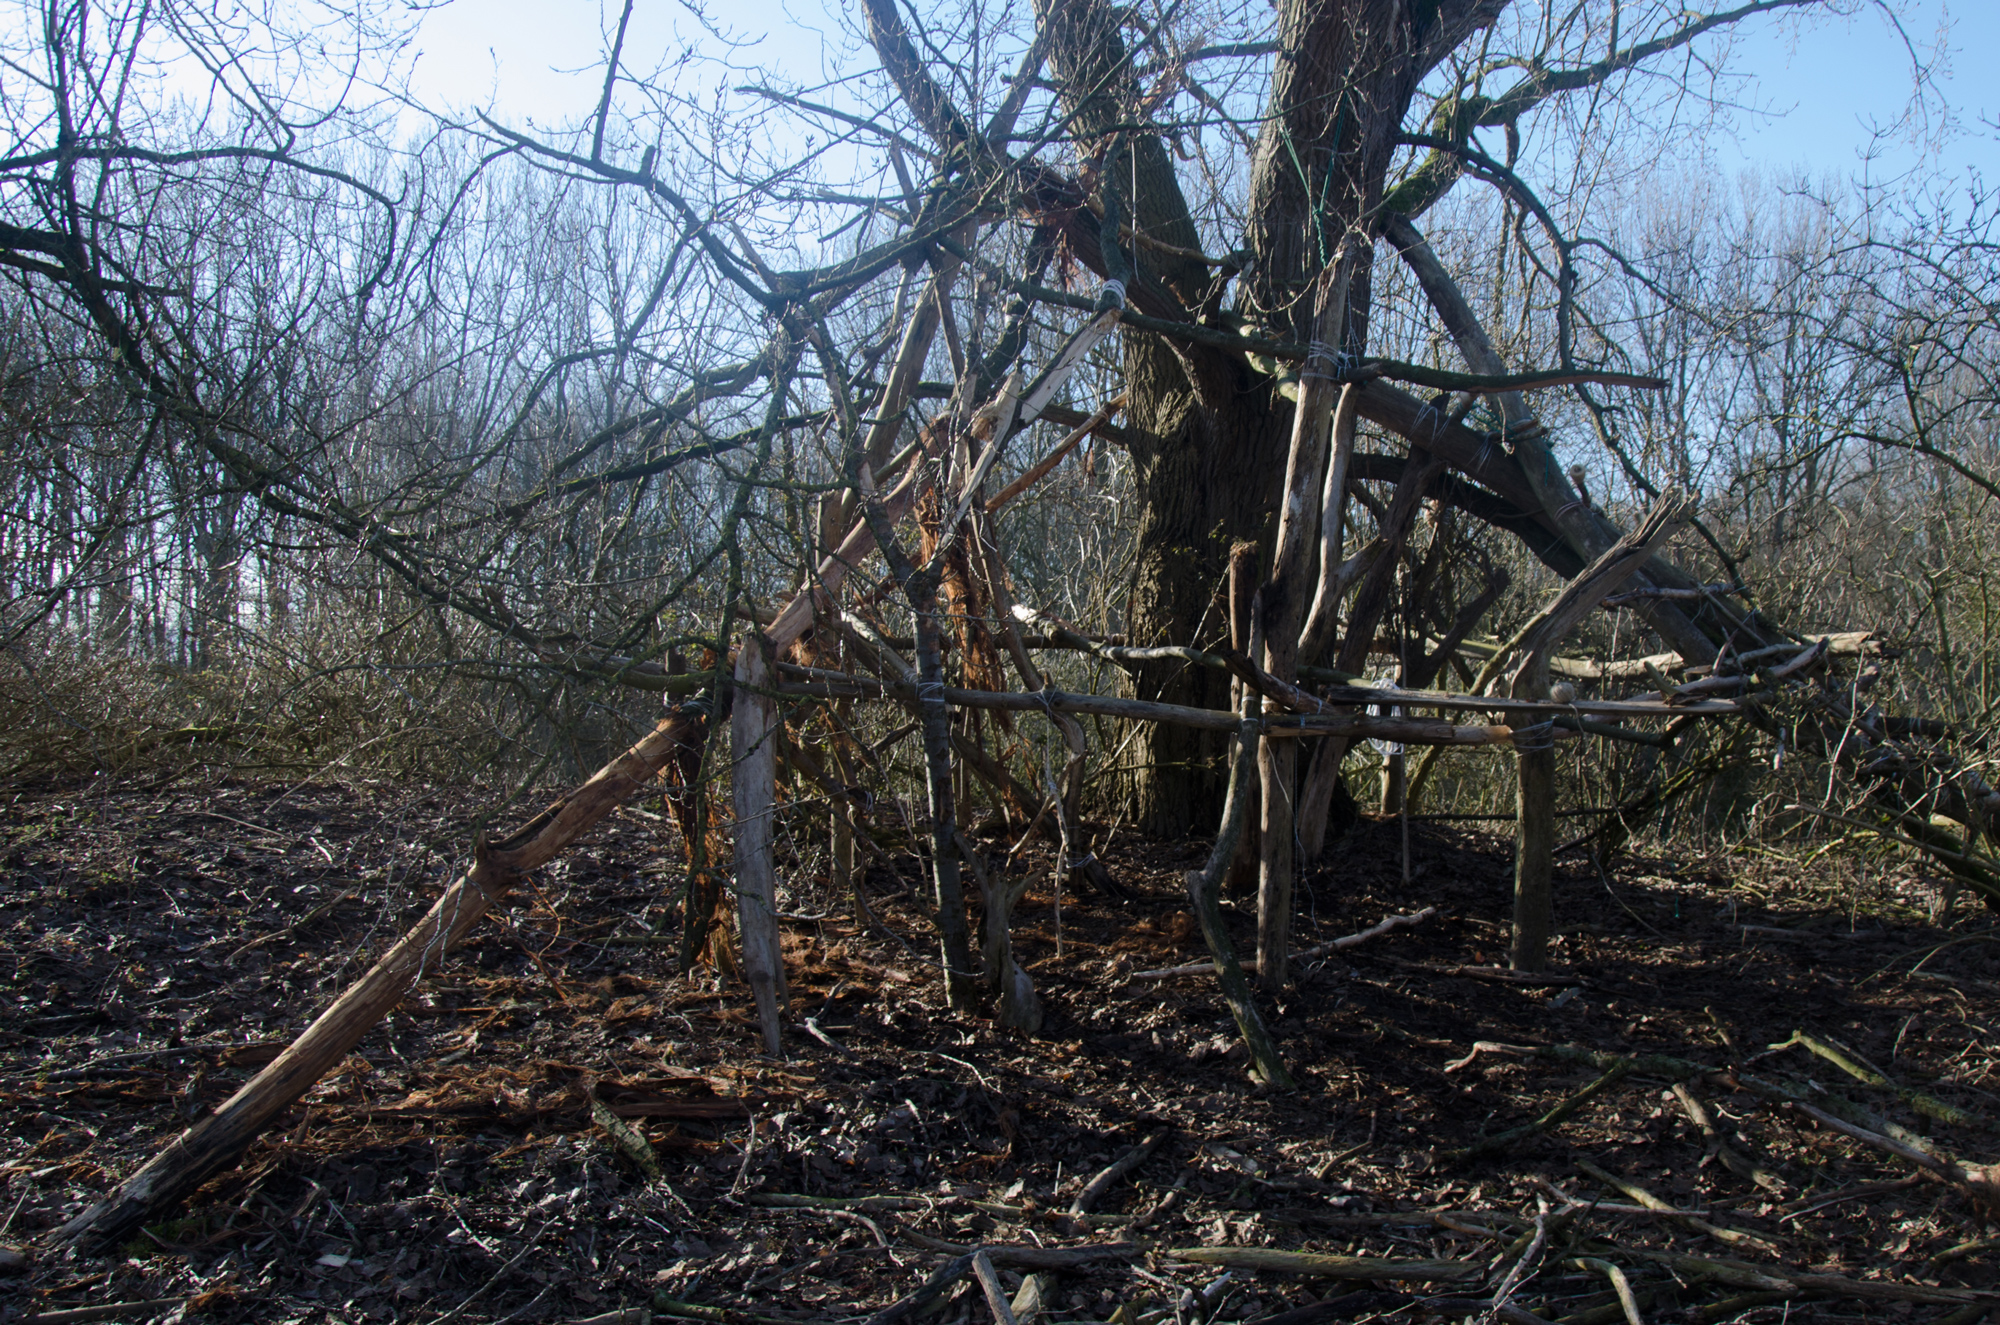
(1207, 432)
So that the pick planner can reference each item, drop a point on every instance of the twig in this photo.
(1345, 941)
(989, 1283)
(1315, 1265)
(1510, 1312)
(1864, 1072)
(629, 1138)
(1718, 1144)
(1034, 1258)
(498, 1276)
(672, 1306)
(1977, 1183)
(1860, 1191)
(1619, 1285)
(1498, 975)
(1731, 1308)
(960, 1265)
(292, 928)
(787, 1200)
(1684, 1217)
(925, 1293)
(1125, 1163)
(1519, 1269)
(537, 1300)
(1499, 1141)
(1768, 1279)
(106, 1311)
(1036, 471)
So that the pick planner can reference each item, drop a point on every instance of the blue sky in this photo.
(1819, 88)
(1830, 84)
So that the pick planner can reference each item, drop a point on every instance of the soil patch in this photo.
(161, 946)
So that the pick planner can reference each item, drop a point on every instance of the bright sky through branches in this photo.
(1817, 90)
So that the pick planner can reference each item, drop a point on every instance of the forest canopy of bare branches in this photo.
(344, 432)
(1235, 422)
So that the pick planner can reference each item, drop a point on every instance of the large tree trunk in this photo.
(1207, 479)
(1208, 430)
(1209, 435)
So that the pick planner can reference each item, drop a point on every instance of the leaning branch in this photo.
(215, 1142)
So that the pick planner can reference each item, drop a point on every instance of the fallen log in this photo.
(216, 1141)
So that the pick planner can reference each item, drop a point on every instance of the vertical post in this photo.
(1534, 848)
(753, 787)
(847, 869)
(1277, 762)
(1244, 865)
(1203, 892)
(961, 986)
(1285, 597)
(830, 526)
(1534, 747)
(1393, 777)
(1011, 987)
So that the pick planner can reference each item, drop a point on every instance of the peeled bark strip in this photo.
(215, 1142)
(754, 739)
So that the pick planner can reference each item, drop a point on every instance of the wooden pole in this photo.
(1411, 731)
(934, 714)
(216, 1141)
(843, 873)
(1285, 597)
(1204, 894)
(847, 867)
(1534, 851)
(1535, 756)
(1244, 866)
(753, 737)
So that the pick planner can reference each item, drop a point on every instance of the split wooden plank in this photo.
(753, 730)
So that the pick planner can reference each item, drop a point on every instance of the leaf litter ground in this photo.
(479, 1157)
